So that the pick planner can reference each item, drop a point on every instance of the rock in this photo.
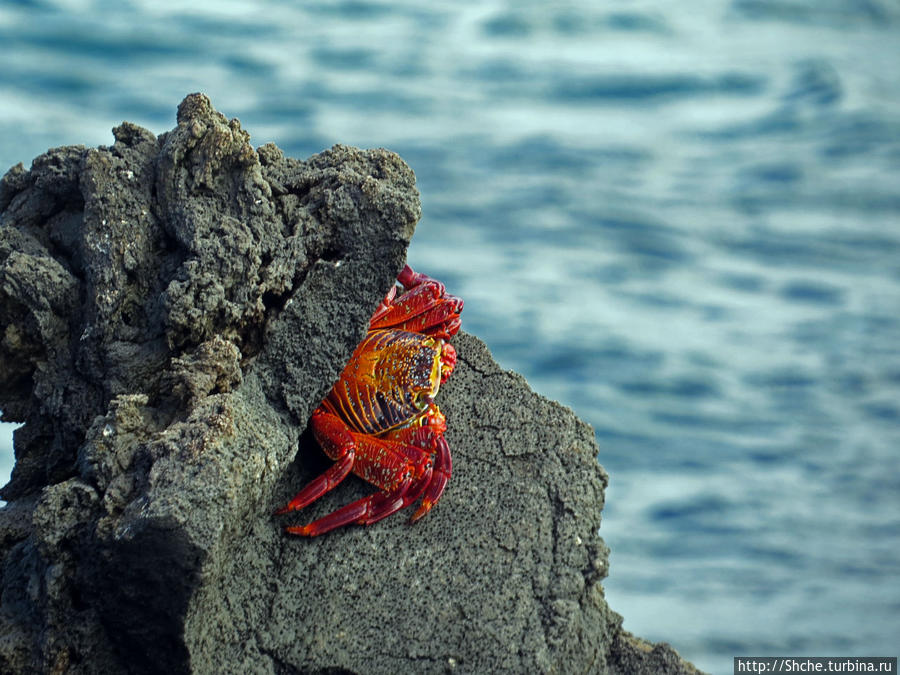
(173, 309)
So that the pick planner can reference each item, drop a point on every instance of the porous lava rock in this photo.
(173, 308)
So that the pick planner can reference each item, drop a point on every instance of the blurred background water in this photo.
(680, 219)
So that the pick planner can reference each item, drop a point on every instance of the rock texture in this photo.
(173, 308)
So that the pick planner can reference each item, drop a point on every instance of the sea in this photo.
(682, 220)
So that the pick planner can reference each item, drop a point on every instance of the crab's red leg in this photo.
(409, 278)
(421, 311)
(401, 502)
(385, 463)
(425, 307)
(359, 511)
(441, 320)
(343, 516)
(428, 441)
(385, 305)
(404, 462)
(392, 312)
(443, 467)
(391, 503)
(338, 443)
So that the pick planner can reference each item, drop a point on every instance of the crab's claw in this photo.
(424, 306)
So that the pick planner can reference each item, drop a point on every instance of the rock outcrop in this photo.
(173, 308)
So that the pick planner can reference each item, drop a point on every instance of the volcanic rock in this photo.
(173, 309)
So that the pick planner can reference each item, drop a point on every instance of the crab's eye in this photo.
(423, 400)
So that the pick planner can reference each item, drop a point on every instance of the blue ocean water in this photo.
(683, 221)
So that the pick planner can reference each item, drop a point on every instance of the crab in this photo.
(380, 421)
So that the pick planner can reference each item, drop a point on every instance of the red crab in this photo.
(379, 420)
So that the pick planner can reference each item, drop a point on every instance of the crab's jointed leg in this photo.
(362, 511)
(424, 307)
(338, 443)
(440, 476)
(429, 439)
(401, 469)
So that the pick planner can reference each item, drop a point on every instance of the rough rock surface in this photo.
(173, 308)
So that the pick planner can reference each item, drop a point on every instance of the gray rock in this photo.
(173, 309)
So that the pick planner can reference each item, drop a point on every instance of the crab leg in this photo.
(430, 441)
(409, 278)
(443, 467)
(412, 494)
(378, 459)
(425, 307)
(371, 509)
(385, 304)
(421, 309)
(401, 470)
(338, 443)
(359, 512)
(441, 319)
